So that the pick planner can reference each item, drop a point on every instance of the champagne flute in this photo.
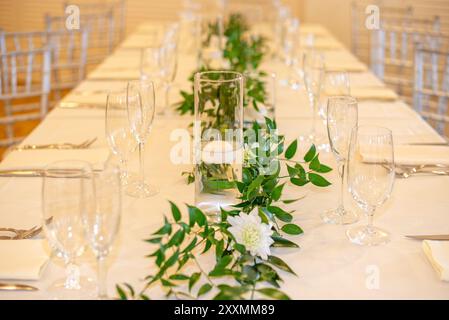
(118, 132)
(313, 68)
(150, 63)
(341, 119)
(335, 83)
(371, 173)
(67, 194)
(102, 224)
(169, 63)
(140, 103)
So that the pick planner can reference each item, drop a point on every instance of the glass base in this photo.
(339, 216)
(365, 236)
(137, 189)
(86, 289)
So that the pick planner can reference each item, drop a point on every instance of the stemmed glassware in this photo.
(341, 119)
(313, 68)
(118, 133)
(140, 102)
(169, 64)
(371, 173)
(102, 223)
(335, 83)
(67, 194)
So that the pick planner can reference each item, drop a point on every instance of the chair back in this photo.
(24, 78)
(431, 87)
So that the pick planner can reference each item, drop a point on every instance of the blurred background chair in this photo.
(392, 50)
(431, 86)
(68, 50)
(361, 35)
(24, 89)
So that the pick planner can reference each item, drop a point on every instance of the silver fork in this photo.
(67, 145)
(407, 171)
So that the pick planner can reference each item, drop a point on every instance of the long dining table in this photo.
(327, 264)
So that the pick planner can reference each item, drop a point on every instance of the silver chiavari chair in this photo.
(431, 87)
(117, 7)
(24, 79)
(68, 49)
(101, 28)
(360, 34)
(392, 50)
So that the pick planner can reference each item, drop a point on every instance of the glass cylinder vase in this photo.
(218, 139)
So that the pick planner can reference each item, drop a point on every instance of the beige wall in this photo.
(22, 15)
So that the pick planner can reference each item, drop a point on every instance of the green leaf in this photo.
(190, 246)
(274, 293)
(175, 212)
(167, 283)
(121, 292)
(278, 262)
(299, 181)
(194, 279)
(277, 192)
(291, 150)
(291, 228)
(172, 260)
(315, 164)
(283, 243)
(255, 184)
(166, 229)
(177, 238)
(205, 288)
(310, 154)
(180, 277)
(324, 169)
(154, 240)
(196, 216)
(292, 171)
(318, 180)
(281, 214)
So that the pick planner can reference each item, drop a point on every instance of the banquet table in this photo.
(328, 266)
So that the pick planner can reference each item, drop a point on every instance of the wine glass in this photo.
(313, 68)
(140, 103)
(290, 40)
(341, 119)
(335, 83)
(150, 63)
(169, 63)
(118, 132)
(371, 172)
(101, 224)
(67, 194)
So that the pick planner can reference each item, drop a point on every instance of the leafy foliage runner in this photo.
(243, 53)
(237, 272)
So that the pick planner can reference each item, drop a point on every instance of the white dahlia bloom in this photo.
(249, 231)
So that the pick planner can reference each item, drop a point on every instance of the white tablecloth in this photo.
(327, 264)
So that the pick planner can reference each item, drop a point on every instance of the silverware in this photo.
(27, 173)
(74, 105)
(405, 171)
(19, 234)
(428, 144)
(16, 287)
(443, 237)
(83, 145)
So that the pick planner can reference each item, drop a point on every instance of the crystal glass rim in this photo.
(379, 129)
(52, 171)
(237, 76)
(349, 98)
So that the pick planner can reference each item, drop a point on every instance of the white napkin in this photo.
(38, 159)
(91, 92)
(438, 254)
(373, 93)
(416, 155)
(22, 259)
(412, 154)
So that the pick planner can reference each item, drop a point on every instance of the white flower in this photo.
(249, 231)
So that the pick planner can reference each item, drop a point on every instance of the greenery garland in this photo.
(239, 272)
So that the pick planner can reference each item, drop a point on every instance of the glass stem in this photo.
(142, 173)
(313, 119)
(102, 273)
(342, 189)
(369, 226)
(167, 90)
(72, 281)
